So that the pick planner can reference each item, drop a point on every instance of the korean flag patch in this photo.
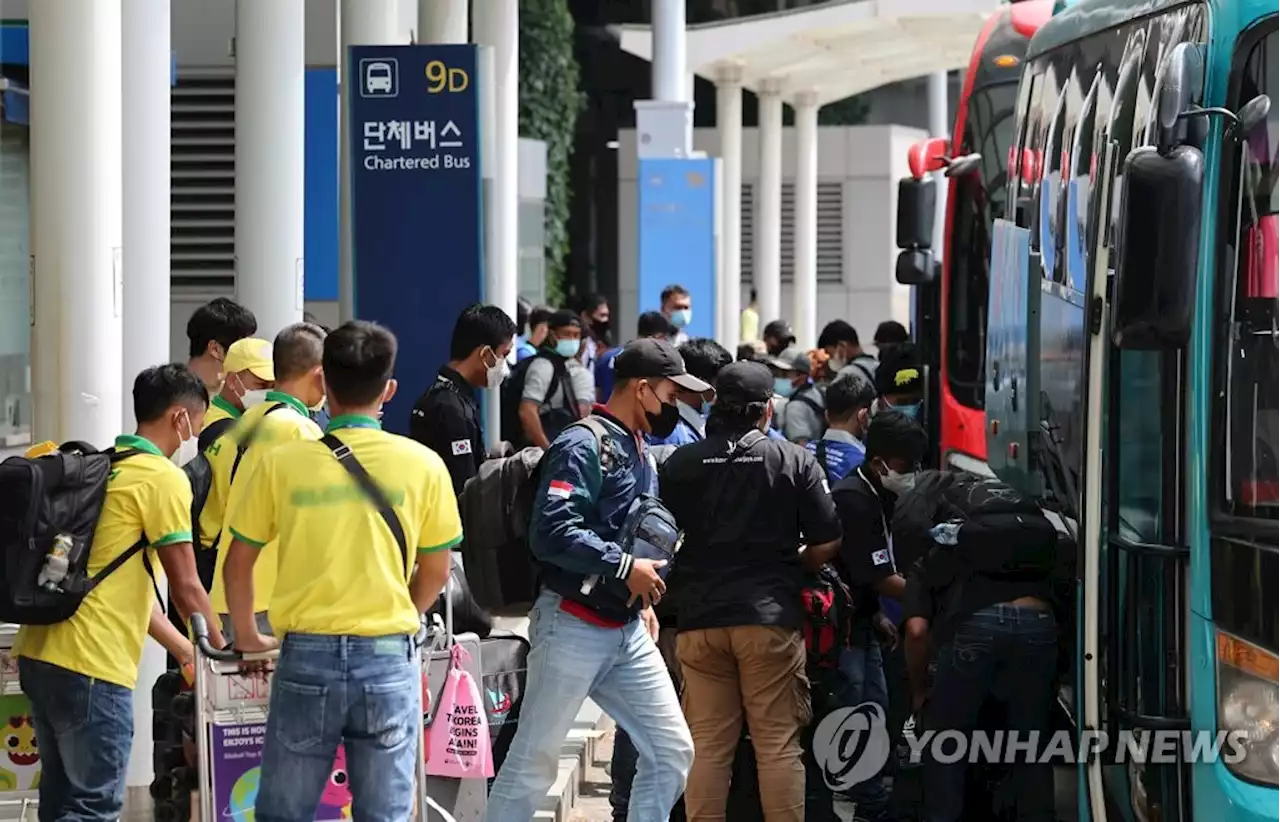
(880, 557)
(460, 447)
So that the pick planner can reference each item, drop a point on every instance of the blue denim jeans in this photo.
(84, 729)
(858, 678)
(623, 672)
(364, 692)
(1009, 654)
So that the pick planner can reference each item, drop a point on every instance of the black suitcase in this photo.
(504, 658)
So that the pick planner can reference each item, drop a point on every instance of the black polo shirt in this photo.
(866, 548)
(745, 506)
(446, 419)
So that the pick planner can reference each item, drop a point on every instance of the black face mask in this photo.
(664, 422)
(600, 328)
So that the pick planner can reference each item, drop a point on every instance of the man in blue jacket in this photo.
(849, 399)
(592, 627)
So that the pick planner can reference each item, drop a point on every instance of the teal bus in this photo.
(1132, 382)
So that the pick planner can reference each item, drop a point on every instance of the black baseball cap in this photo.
(744, 382)
(649, 358)
(780, 330)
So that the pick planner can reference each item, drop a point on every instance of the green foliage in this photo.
(851, 111)
(549, 106)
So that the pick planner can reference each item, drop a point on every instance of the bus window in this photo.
(979, 199)
(1252, 484)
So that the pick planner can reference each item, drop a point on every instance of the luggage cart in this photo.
(231, 711)
(455, 800)
(20, 801)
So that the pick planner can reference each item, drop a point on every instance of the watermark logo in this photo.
(851, 745)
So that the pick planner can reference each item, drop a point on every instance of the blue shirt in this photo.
(844, 453)
(604, 374)
(524, 349)
(579, 511)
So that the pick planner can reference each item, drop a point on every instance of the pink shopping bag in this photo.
(458, 744)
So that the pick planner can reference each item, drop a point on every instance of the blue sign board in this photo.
(416, 209)
(677, 236)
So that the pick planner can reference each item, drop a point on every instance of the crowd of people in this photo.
(768, 473)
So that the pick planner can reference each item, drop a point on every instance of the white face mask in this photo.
(318, 406)
(188, 449)
(496, 373)
(252, 397)
(898, 483)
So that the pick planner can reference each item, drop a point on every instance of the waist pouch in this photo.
(650, 532)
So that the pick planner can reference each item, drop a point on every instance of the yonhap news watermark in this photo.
(851, 745)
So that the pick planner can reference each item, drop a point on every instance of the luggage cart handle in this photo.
(200, 630)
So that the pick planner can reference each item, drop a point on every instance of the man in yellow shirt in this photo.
(282, 417)
(250, 373)
(80, 673)
(353, 581)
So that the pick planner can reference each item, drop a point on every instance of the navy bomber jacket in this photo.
(578, 513)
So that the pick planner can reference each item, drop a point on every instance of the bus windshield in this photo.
(988, 129)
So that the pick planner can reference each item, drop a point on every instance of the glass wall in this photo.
(15, 255)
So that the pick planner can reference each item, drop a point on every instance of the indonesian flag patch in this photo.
(559, 489)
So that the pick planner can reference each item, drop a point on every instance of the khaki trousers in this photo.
(751, 672)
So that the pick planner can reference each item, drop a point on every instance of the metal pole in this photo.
(499, 27)
(360, 23)
(805, 286)
(270, 136)
(939, 126)
(442, 21)
(670, 75)
(729, 126)
(768, 263)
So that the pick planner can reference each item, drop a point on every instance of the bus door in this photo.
(1136, 564)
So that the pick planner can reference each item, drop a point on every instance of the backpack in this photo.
(496, 506)
(828, 607)
(1002, 531)
(49, 508)
(805, 397)
(200, 471)
(554, 420)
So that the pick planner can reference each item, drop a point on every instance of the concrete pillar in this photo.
(270, 141)
(768, 208)
(76, 229)
(729, 284)
(499, 29)
(360, 23)
(805, 286)
(442, 21)
(939, 126)
(146, 92)
(669, 67)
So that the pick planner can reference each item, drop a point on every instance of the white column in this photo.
(670, 83)
(270, 147)
(499, 28)
(76, 231)
(729, 127)
(939, 126)
(442, 21)
(146, 72)
(360, 23)
(768, 208)
(805, 287)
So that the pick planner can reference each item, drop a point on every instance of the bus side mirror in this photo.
(916, 266)
(916, 201)
(1158, 248)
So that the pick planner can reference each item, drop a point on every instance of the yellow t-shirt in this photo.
(147, 497)
(340, 569)
(272, 430)
(221, 454)
(220, 409)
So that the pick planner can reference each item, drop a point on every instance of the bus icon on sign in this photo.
(380, 77)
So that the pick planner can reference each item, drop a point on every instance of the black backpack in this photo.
(45, 501)
(554, 420)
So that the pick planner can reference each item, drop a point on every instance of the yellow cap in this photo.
(250, 354)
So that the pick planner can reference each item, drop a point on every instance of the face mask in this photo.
(837, 363)
(253, 397)
(188, 449)
(898, 483)
(664, 421)
(912, 410)
(600, 328)
(783, 387)
(318, 407)
(705, 408)
(568, 348)
(682, 317)
(496, 373)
